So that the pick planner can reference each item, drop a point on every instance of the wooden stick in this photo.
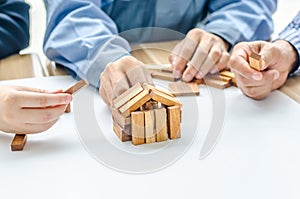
(18, 142)
(255, 61)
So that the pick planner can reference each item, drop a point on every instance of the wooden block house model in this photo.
(145, 114)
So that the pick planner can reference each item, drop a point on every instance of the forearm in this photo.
(291, 34)
(237, 21)
(82, 37)
(14, 27)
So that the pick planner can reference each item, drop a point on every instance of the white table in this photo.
(257, 155)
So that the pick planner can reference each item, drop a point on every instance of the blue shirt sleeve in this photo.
(14, 26)
(82, 37)
(292, 34)
(237, 21)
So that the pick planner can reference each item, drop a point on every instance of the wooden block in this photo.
(153, 88)
(216, 83)
(122, 135)
(149, 126)
(255, 61)
(127, 95)
(68, 108)
(184, 89)
(18, 142)
(168, 69)
(150, 105)
(219, 77)
(119, 118)
(227, 74)
(197, 81)
(161, 125)
(135, 103)
(174, 120)
(76, 87)
(164, 76)
(164, 99)
(138, 127)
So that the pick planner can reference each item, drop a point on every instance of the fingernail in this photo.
(199, 75)
(276, 75)
(188, 77)
(177, 74)
(257, 76)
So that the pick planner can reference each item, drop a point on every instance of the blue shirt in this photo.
(14, 26)
(83, 35)
(292, 34)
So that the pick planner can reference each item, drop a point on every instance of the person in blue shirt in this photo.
(24, 109)
(92, 37)
(280, 60)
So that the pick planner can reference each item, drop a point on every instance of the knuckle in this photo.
(43, 101)
(46, 117)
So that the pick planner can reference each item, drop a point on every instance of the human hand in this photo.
(278, 59)
(199, 53)
(27, 110)
(121, 75)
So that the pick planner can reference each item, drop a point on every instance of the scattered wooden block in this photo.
(164, 99)
(227, 74)
(153, 88)
(122, 135)
(138, 127)
(255, 61)
(18, 142)
(161, 125)
(68, 108)
(127, 95)
(164, 76)
(76, 87)
(168, 69)
(184, 89)
(135, 103)
(219, 77)
(217, 83)
(174, 120)
(197, 81)
(119, 118)
(149, 126)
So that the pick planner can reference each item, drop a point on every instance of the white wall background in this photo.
(287, 9)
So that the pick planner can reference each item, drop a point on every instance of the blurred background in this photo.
(286, 10)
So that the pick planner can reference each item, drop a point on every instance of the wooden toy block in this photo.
(153, 88)
(76, 87)
(122, 135)
(68, 108)
(174, 120)
(161, 125)
(255, 61)
(227, 74)
(197, 81)
(164, 99)
(19, 142)
(119, 118)
(220, 77)
(149, 126)
(127, 95)
(168, 69)
(138, 127)
(135, 103)
(184, 89)
(150, 106)
(217, 83)
(164, 76)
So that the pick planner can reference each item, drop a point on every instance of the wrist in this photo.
(290, 52)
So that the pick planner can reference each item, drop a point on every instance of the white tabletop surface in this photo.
(257, 155)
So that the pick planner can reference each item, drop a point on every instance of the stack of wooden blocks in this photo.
(145, 114)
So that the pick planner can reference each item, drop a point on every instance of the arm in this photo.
(291, 34)
(237, 21)
(82, 37)
(14, 27)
